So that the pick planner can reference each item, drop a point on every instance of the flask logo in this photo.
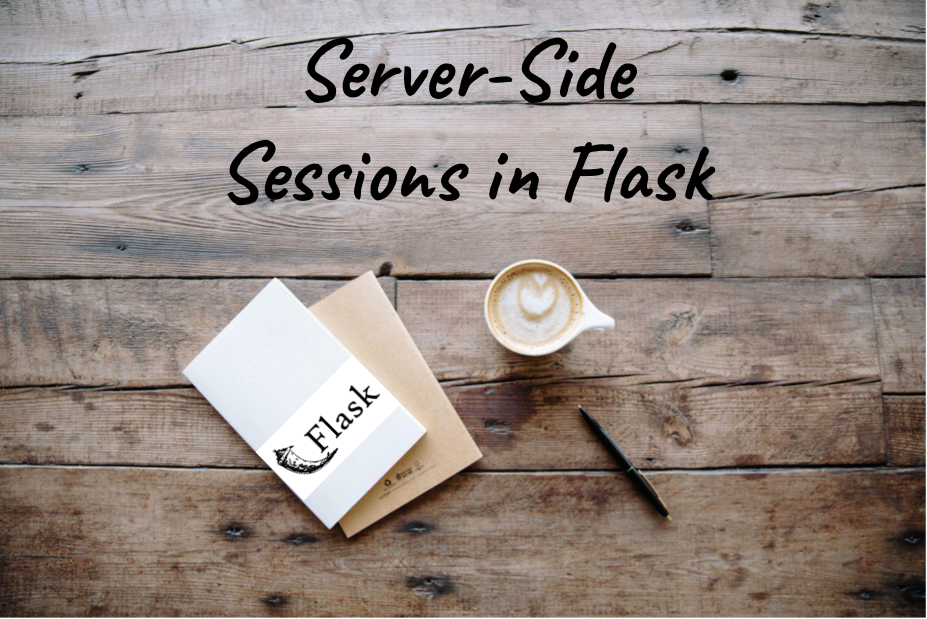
(291, 461)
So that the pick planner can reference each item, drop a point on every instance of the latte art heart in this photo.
(534, 306)
(537, 295)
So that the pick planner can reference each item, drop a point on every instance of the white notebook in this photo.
(310, 410)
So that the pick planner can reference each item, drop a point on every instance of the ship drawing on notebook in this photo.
(291, 461)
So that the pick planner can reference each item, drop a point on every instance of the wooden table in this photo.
(767, 369)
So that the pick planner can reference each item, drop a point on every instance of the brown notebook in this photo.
(362, 318)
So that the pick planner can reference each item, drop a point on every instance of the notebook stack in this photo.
(353, 433)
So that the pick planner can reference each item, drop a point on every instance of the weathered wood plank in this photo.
(184, 542)
(168, 427)
(671, 66)
(904, 430)
(731, 331)
(84, 29)
(760, 149)
(143, 332)
(518, 426)
(121, 332)
(899, 315)
(152, 189)
(148, 194)
(844, 235)
(536, 425)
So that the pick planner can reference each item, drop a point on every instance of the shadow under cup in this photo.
(534, 307)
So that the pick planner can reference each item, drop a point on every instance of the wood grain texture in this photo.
(165, 427)
(536, 425)
(762, 150)
(899, 314)
(843, 235)
(904, 430)
(89, 29)
(239, 542)
(671, 66)
(121, 332)
(728, 331)
(714, 373)
(146, 195)
(143, 332)
(518, 426)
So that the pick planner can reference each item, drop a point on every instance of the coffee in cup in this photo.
(535, 307)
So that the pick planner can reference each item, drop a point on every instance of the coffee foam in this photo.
(534, 306)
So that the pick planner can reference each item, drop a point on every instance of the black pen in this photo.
(626, 467)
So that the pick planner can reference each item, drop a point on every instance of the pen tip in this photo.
(670, 518)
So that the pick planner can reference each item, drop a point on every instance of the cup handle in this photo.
(595, 319)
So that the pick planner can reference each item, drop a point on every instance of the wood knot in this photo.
(430, 587)
(672, 332)
(497, 427)
(298, 539)
(915, 538)
(275, 600)
(676, 425)
(912, 592)
(418, 527)
(236, 531)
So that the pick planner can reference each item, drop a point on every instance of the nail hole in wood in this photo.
(730, 76)
(912, 592)
(430, 587)
(298, 539)
(235, 531)
(418, 527)
(275, 600)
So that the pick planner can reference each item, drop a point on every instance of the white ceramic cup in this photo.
(590, 317)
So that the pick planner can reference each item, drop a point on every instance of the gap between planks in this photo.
(190, 25)
(540, 35)
(724, 470)
(903, 103)
(706, 382)
(579, 275)
(408, 278)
